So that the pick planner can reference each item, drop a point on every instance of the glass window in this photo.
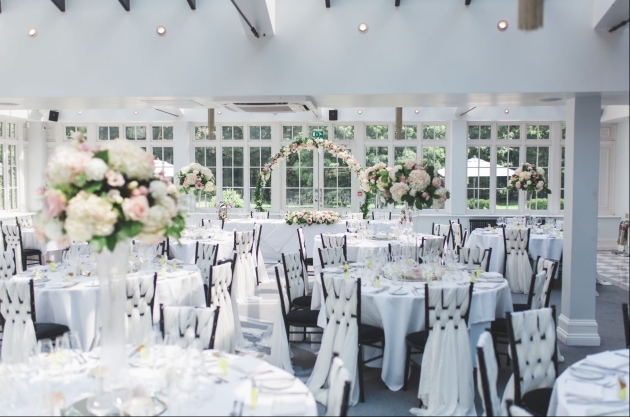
(258, 157)
(299, 179)
(11, 130)
(538, 155)
(260, 132)
(162, 132)
(344, 132)
(508, 160)
(323, 128)
(434, 132)
(12, 175)
(108, 132)
(376, 132)
(562, 180)
(537, 131)
(291, 133)
(71, 130)
(136, 132)
(375, 154)
(479, 177)
(2, 195)
(564, 131)
(435, 155)
(163, 160)
(405, 153)
(232, 132)
(508, 132)
(409, 132)
(201, 133)
(479, 132)
(233, 175)
(207, 156)
(1, 130)
(337, 182)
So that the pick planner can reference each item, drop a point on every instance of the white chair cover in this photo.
(7, 264)
(486, 345)
(259, 215)
(458, 234)
(433, 244)
(475, 256)
(244, 281)
(550, 267)
(538, 298)
(332, 241)
(516, 411)
(442, 230)
(229, 335)
(25, 222)
(184, 324)
(280, 349)
(259, 262)
(337, 380)
(19, 331)
(295, 273)
(341, 336)
(332, 256)
(206, 258)
(12, 238)
(518, 270)
(446, 382)
(139, 318)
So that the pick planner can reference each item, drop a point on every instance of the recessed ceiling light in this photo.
(550, 99)
(32, 32)
(502, 25)
(506, 111)
(80, 112)
(360, 111)
(135, 112)
(363, 27)
(417, 111)
(161, 30)
(219, 112)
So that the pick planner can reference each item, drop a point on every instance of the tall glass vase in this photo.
(112, 273)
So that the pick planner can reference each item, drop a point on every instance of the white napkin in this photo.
(248, 365)
(608, 360)
(584, 390)
(334, 269)
(491, 275)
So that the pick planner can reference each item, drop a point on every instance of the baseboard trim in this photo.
(577, 332)
(606, 244)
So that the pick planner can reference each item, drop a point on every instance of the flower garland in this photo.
(307, 218)
(530, 179)
(298, 146)
(197, 177)
(410, 182)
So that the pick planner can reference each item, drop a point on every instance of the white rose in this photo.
(95, 169)
(157, 189)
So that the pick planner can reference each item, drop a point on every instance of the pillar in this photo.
(36, 159)
(458, 167)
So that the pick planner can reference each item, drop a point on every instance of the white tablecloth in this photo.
(561, 405)
(400, 315)
(78, 306)
(48, 248)
(539, 245)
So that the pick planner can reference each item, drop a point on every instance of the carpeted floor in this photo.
(257, 318)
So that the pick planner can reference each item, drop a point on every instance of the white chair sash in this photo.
(485, 352)
(550, 267)
(338, 377)
(182, 325)
(229, 335)
(244, 281)
(518, 270)
(475, 256)
(433, 244)
(341, 336)
(332, 256)
(19, 330)
(13, 240)
(260, 215)
(7, 264)
(458, 234)
(332, 241)
(139, 318)
(280, 349)
(206, 258)
(538, 297)
(294, 274)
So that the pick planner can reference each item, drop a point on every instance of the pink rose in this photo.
(54, 203)
(409, 165)
(199, 185)
(135, 208)
(142, 190)
(518, 185)
(114, 179)
(441, 200)
(425, 195)
(437, 182)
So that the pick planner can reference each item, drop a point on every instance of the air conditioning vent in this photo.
(267, 107)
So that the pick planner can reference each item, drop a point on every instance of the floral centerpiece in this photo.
(409, 182)
(197, 178)
(530, 179)
(307, 218)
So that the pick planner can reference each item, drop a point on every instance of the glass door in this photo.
(335, 184)
(300, 181)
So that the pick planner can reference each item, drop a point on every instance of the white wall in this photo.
(622, 174)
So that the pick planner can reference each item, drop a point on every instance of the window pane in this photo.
(508, 160)
(265, 132)
(103, 133)
(344, 132)
(473, 132)
(410, 132)
(141, 133)
(375, 132)
(130, 133)
(532, 132)
(404, 154)
(254, 132)
(157, 133)
(227, 132)
(201, 132)
(375, 154)
(478, 178)
(168, 132)
(440, 132)
(287, 133)
(485, 132)
(238, 133)
(168, 154)
(502, 132)
(428, 132)
(114, 133)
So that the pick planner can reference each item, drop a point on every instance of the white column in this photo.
(458, 166)
(183, 153)
(577, 325)
(36, 159)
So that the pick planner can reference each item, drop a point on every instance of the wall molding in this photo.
(578, 332)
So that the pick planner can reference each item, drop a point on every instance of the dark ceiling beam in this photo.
(126, 4)
(397, 3)
(328, 4)
(192, 4)
(61, 4)
(468, 2)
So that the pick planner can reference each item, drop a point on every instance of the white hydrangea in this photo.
(129, 160)
(89, 216)
(158, 219)
(398, 190)
(66, 164)
(419, 179)
(95, 169)
(157, 189)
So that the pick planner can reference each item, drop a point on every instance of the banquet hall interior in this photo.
(314, 207)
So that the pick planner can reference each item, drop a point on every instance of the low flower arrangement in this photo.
(307, 218)
(530, 179)
(197, 178)
(105, 194)
(410, 182)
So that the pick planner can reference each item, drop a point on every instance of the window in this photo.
(2, 194)
(482, 132)
(163, 160)
(260, 132)
(337, 182)
(323, 128)
(508, 132)
(344, 132)
(108, 132)
(258, 157)
(434, 132)
(537, 131)
(564, 132)
(11, 130)
(1, 130)
(299, 179)
(207, 156)
(162, 133)
(479, 177)
(375, 154)
(376, 132)
(233, 178)
(403, 153)
(291, 133)
(435, 155)
(232, 132)
(136, 133)
(538, 155)
(12, 175)
(201, 133)
(71, 130)
(508, 160)
(409, 132)
(562, 179)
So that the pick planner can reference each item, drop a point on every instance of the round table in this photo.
(539, 245)
(573, 395)
(400, 315)
(75, 303)
(188, 382)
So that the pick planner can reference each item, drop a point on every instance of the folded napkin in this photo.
(608, 360)
(584, 390)
(486, 285)
(332, 269)
(491, 275)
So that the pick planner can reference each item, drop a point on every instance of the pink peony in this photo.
(135, 208)
(114, 179)
(142, 190)
(437, 182)
(409, 165)
(199, 185)
(54, 203)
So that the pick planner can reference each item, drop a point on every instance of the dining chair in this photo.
(180, 326)
(256, 249)
(487, 375)
(259, 215)
(389, 214)
(434, 243)
(626, 313)
(139, 308)
(12, 238)
(533, 346)
(475, 256)
(338, 398)
(331, 257)
(205, 258)
(159, 249)
(296, 281)
(458, 233)
(517, 268)
(515, 410)
(442, 230)
(481, 223)
(333, 241)
(228, 334)
(25, 222)
(307, 261)
(244, 281)
(211, 222)
(8, 267)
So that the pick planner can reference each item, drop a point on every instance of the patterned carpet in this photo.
(613, 268)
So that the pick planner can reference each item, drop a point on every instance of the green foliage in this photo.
(365, 206)
(258, 197)
(478, 204)
(230, 197)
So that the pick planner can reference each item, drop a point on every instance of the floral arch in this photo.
(298, 146)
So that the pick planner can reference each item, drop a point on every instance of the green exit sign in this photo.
(318, 134)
